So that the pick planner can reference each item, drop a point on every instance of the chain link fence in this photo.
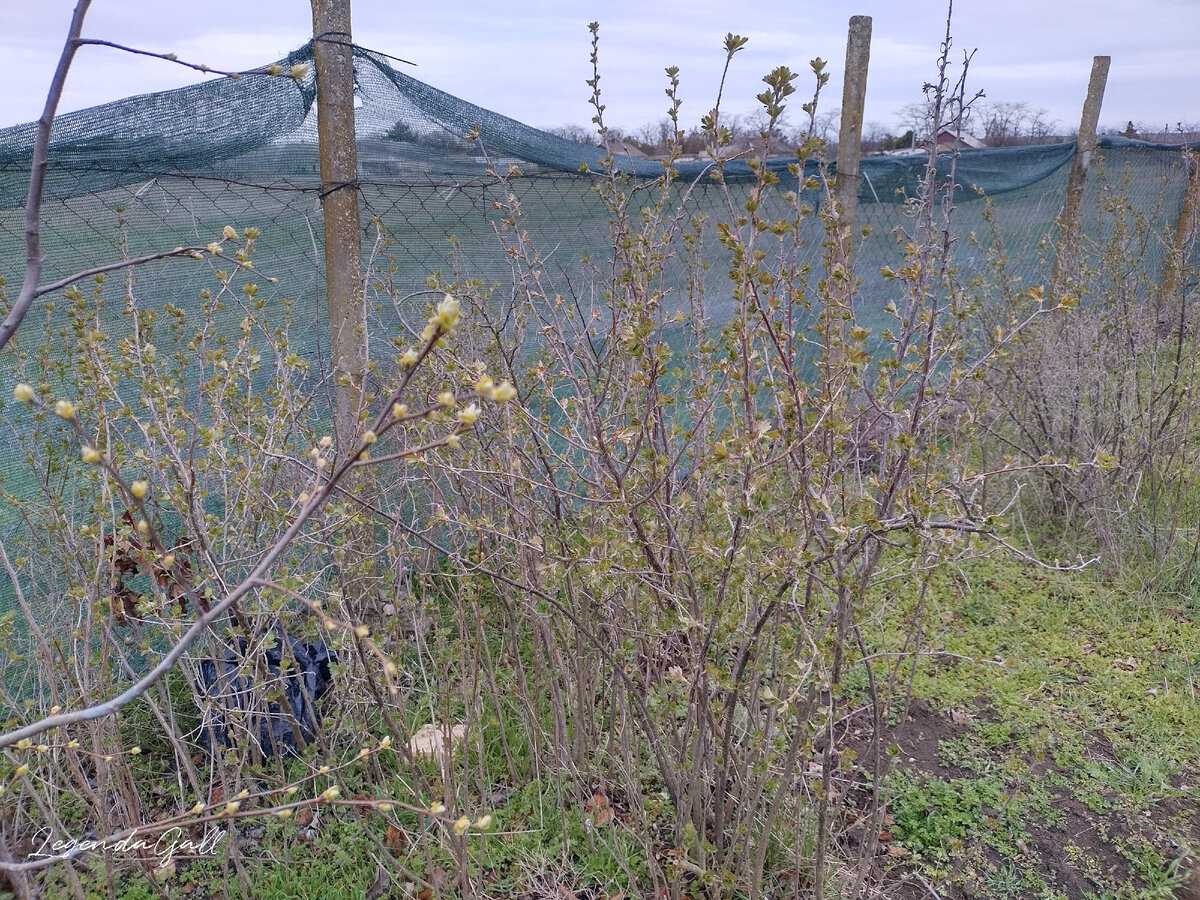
(150, 173)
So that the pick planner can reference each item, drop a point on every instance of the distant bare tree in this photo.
(578, 133)
(1000, 123)
(825, 124)
(874, 134)
(654, 135)
(917, 117)
(1005, 123)
(1041, 130)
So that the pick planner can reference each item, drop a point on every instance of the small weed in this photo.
(1006, 881)
(934, 817)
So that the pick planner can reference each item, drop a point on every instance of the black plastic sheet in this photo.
(307, 678)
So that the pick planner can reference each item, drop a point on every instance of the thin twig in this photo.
(918, 877)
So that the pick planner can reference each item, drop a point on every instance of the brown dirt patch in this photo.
(1077, 853)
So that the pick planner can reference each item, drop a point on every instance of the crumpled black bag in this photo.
(308, 678)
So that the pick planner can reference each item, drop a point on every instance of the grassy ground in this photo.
(1049, 751)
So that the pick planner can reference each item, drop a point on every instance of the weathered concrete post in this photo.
(334, 59)
(836, 316)
(333, 55)
(854, 95)
(1066, 254)
(845, 195)
(1185, 229)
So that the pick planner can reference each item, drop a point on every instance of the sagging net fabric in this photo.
(179, 165)
(173, 169)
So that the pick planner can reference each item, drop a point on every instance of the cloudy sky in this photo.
(529, 60)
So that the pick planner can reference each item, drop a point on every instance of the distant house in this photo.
(948, 139)
(629, 149)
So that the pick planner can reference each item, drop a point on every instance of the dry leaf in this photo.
(379, 887)
(396, 840)
(601, 809)
(304, 816)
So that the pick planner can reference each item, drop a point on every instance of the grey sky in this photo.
(529, 60)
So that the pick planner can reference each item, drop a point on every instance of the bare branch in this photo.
(251, 581)
(171, 57)
(37, 179)
(112, 267)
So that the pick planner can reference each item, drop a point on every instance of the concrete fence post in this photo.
(845, 194)
(333, 54)
(854, 95)
(1066, 253)
(334, 59)
(1185, 229)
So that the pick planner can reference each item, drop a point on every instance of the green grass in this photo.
(1070, 709)
(1064, 768)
